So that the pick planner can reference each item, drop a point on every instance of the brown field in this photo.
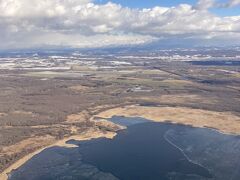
(41, 107)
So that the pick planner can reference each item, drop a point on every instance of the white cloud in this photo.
(205, 4)
(82, 23)
(233, 3)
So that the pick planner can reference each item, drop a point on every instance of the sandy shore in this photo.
(91, 134)
(225, 122)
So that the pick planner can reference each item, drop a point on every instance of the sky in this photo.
(170, 3)
(102, 23)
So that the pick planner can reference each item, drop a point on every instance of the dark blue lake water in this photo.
(215, 63)
(145, 150)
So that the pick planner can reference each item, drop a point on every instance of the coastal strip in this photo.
(224, 122)
(90, 134)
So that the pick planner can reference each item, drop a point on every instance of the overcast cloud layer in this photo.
(83, 23)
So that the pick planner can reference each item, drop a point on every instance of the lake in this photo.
(215, 63)
(145, 150)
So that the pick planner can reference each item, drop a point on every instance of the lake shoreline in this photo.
(62, 143)
(222, 122)
(132, 111)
